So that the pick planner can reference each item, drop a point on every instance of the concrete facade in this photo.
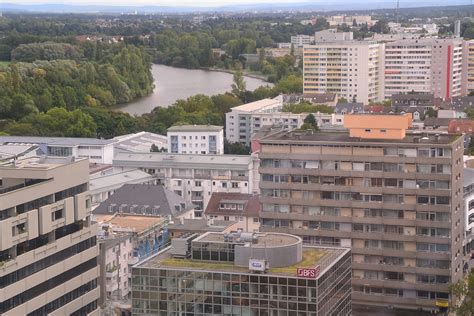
(196, 139)
(196, 177)
(396, 202)
(351, 69)
(48, 249)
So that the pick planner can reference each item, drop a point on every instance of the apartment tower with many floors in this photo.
(393, 196)
(425, 65)
(351, 69)
(48, 250)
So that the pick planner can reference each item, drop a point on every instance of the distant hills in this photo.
(259, 7)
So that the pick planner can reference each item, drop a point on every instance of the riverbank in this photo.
(172, 84)
(245, 73)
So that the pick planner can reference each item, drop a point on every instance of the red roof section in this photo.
(461, 126)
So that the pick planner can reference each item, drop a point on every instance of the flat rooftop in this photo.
(200, 225)
(264, 239)
(312, 256)
(182, 160)
(417, 138)
(117, 179)
(37, 163)
(136, 223)
(257, 105)
(56, 141)
(195, 128)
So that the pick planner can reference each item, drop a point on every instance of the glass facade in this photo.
(171, 291)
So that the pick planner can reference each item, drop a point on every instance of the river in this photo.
(172, 84)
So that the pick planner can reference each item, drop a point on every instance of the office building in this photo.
(393, 196)
(196, 177)
(241, 208)
(424, 65)
(340, 20)
(351, 69)
(196, 139)
(243, 274)
(48, 249)
(97, 150)
(331, 35)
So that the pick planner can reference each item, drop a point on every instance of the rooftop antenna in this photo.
(398, 7)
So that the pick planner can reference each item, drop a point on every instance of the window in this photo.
(57, 215)
(368, 130)
(383, 131)
(235, 185)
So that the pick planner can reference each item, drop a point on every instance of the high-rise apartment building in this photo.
(468, 55)
(351, 69)
(424, 65)
(48, 250)
(395, 197)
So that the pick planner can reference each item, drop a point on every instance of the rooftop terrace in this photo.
(312, 256)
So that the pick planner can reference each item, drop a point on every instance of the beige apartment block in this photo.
(428, 65)
(395, 200)
(351, 69)
(48, 249)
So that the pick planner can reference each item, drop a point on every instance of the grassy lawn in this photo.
(310, 258)
(4, 63)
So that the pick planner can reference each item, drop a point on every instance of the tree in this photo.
(381, 26)
(235, 148)
(431, 113)
(156, 149)
(463, 293)
(311, 120)
(342, 100)
(239, 85)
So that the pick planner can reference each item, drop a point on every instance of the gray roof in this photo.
(236, 162)
(64, 141)
(200, 225)
(349, 107)
(195, 128)
(145, 195)
(435, 121)
(468, 177)
(115, 180)
(140, 142)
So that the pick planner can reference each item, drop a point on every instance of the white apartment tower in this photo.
(48, 250)
(424, 65)
(352, 69)
(196, 139)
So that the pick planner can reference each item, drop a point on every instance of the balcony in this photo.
(112, 272)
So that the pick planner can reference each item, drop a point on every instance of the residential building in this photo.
(243, 274)
(48, 249)
(451, 114)
(196, 177)
(404, 101)
(124, 239)
(331, 35)
(349, 108)
(301, 40)
(460, 104)
(196, 139)
(329, 99)
(243, 121)
(101, 187)
(140, 142)
(424, 65)
(469, 214)
(393, 196)
(468, 53)
(241, 208)
(339, 20)
(351, 69)
(146, 199)
(97, 150)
